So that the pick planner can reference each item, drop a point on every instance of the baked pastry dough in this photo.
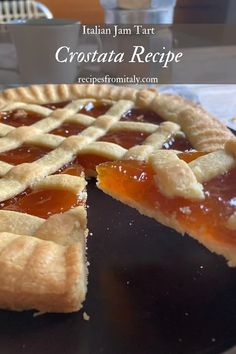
(43, 262)
(46, 134)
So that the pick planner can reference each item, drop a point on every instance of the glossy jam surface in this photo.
(56, 105)
(24, 153)
(142, 115)
(6, 205)
(68, 129)
(132, 181)
(190, 156)
(92, 109)
(89, 161)
(72, 168)
(19, 117)
(95, 109)
(42, 203)
(178, 142)
(125, 138)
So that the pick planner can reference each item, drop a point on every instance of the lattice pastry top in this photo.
(46, 133)
(63, 121)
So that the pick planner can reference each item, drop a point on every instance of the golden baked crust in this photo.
(174, 177)
(43, 262)
(42, 275)
(211, 165)
(29, 240)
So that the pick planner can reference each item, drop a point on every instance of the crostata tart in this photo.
(156, 152)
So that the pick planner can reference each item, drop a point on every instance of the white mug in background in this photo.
(36, 43)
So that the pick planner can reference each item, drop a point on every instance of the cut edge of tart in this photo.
(198, 197)
(43, 234)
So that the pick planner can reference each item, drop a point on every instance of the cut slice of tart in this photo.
(190, 192)
(42, 240)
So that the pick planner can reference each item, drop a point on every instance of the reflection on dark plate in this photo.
(150, 291)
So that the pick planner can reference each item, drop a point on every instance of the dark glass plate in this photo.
(150, 291)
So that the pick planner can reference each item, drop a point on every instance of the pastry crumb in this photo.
(185, 210)
(39, 313)
(86, 317)
(20, 113)
(233, 119)
(77, 223)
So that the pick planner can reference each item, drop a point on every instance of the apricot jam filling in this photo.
(81, 163)
(68, 129)
(92, 109)
(24, 153)
(95, 109)
(43, 203)
(125, 138)
(178, 142)
(191, 155)
(142, 115)
(19, 117)
(72, 168)
(133, 182)
(89, 161)
(56, 105)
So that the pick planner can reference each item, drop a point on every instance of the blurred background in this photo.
(201, 49)
(92, 12)
(186, 11)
